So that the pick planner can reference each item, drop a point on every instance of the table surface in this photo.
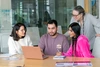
(49, 62)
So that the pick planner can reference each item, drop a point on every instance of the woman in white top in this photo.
(18, 38)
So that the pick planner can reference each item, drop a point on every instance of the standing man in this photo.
(52, 42)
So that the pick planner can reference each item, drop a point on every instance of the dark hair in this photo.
(76, 28)
(80, 10)
(16, 28)
(53, 22)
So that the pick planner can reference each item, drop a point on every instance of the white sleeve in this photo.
(94, 21)
(11, 47)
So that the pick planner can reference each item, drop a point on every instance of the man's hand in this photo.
(97, 35)
(42, 52)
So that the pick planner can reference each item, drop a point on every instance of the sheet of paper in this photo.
(4, 55)
(61, 64)
(9, 57)
(58, 57)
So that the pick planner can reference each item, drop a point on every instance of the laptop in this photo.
(31, 52)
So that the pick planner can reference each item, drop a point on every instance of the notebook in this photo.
(59, 57)
(74, 64)
(31, 52)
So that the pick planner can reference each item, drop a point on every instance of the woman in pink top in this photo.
(80, 46)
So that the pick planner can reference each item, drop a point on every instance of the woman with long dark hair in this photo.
(80, 46)
(18, 38)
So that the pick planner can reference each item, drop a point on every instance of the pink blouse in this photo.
(82, 48)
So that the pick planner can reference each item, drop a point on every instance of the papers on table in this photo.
(75, 63)
(4, 55)
(59, 57)
(9, 57)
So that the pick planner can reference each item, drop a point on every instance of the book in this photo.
(63, 64)
(59, 57)
(73, 63)
(82, 63)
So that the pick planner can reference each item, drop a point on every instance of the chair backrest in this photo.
(59, 29)
(33, 32)
(4, 42)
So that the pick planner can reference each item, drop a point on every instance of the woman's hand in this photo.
(58, 53)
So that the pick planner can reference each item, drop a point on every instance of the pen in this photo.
(58, 50)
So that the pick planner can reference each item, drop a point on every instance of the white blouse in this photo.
(15, 46)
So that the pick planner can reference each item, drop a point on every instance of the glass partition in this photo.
(36, 13)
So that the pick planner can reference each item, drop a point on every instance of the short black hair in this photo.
(80, 9)
(53, 22)
(16, 28)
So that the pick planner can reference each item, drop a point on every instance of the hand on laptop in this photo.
(42, 52)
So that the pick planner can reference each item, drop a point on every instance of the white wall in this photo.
(80, 2)
(5, 4)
